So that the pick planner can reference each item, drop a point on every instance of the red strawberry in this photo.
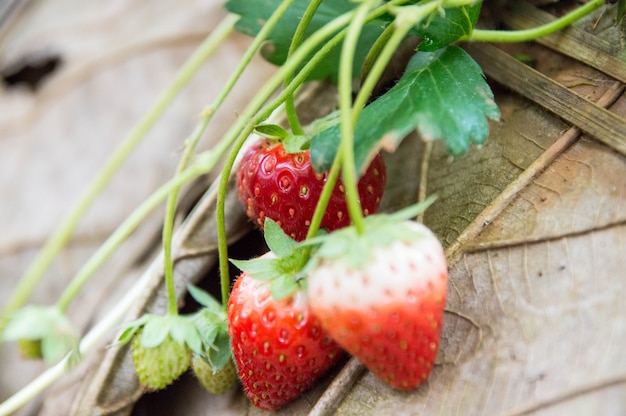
(284, 187)
(279, 347)
(383, 301)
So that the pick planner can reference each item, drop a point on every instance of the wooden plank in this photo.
(600, 123)
(573, 42)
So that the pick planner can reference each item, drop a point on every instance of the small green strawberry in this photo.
(157, 367)
(215, 381)
(162, 347)
(381, 296)
(30, 349)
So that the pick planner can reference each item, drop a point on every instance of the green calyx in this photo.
(285, 268)
(380, 230)
(42, 332)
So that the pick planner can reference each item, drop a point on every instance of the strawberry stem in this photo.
(247, 120)
(290, 106)
(349, 174)
(68, 224)
(526, 35)
(129, 225)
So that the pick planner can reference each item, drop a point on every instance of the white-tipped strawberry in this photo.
(381, 296)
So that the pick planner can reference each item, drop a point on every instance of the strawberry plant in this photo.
(290, 313)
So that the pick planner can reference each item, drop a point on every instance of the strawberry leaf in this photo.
(154, 332)
(220, 353)
(261, 269)
(278, 242)
(442, 94)
(254, 12)
(203, 298)
(448, 27)
(271, 131)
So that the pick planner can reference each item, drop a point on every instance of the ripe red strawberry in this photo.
(284, 187)
(279, 346)
(384, 300)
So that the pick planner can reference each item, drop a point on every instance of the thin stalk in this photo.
(348, 170)
(129, 225)
(298, 36)
(208, 113)
(327, 190)
(90, 341)
(526, 35)
(68, 224)
(247, 120)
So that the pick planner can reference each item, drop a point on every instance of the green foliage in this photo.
(48, 327)
(254, 13)
(442, 94)
(447, 27)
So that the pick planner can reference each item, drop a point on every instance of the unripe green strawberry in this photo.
(157, 367)
(215, 382)
(30, 349)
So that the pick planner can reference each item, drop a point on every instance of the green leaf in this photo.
(271, 131)
(46, 324)
(260, 269)
(255, 12)
(448, 27)
(442, 94)
(203, 298)
(31, 322)
(55, 347)
(621, 11)
(219, 355)
(183, 331)
(154, 332)
(278, 242)
(296, 143)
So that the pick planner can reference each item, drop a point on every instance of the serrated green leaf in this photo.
(154, 332)
(260, 269)
(221, 353)
(204, 298)
(447, 28)
(271, 131)
(277, 241)
(254, 12)
(126, 335)
(442, 94)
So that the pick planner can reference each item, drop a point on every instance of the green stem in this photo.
(327, 190)
(189, 149)
(298, 36)
(348, 171)
(90, 341)
(394, 39)
(526, 35)
(129, 225)
(247, 120)
(68, 224)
